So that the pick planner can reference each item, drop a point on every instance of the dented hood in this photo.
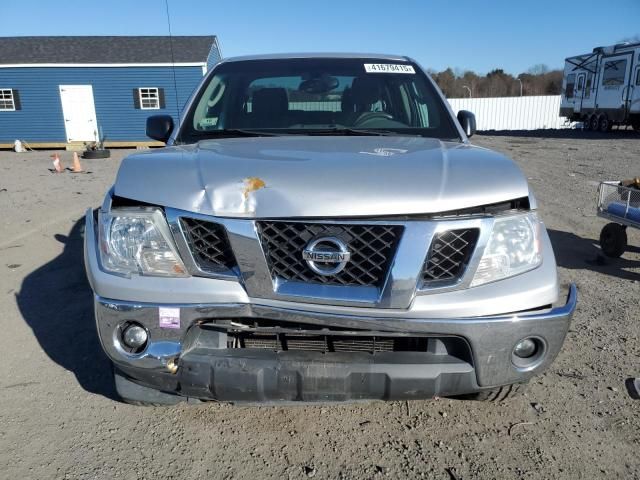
(320, 176)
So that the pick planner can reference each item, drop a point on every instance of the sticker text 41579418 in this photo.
(388, 68)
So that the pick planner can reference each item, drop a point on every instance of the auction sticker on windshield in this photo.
(388, 68)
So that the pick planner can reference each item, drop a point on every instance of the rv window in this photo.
(638, 76)
(614, 73)
(580, 82)
(571, 80)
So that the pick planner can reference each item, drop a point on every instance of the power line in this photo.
(173, 63)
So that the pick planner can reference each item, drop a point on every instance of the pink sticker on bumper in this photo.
(169, 317)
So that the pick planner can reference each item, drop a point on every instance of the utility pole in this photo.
(464, 86)
(518, 78)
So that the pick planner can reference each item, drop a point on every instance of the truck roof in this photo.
(278, 56)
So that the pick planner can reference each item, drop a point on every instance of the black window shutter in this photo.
(16, 100)
(136, 99)
(161, 98)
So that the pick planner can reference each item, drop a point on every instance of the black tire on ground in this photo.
(636, 126)
(604, 124)
(96, 154)
(142, 396)
(496, 395)
(593, 123)
(586, 124)
(613, 239)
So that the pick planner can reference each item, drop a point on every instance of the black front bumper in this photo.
(235, 375)
(266, 376)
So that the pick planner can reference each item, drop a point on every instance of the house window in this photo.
(614, 73)
(149, 98)
(7, 99)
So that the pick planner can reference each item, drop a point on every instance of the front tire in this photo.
(134, 394)
(495, 395)
(613, 240)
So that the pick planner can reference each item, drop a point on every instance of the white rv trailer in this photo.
(602, 88)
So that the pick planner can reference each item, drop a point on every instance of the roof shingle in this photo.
(104, 49)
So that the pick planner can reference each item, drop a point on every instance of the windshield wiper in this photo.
(347, 131)
(357, 132)
(235, 132)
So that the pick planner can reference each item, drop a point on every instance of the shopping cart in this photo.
(621, 205)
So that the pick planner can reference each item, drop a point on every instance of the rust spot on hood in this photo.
(252, 184)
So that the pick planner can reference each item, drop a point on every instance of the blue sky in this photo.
(476, 35)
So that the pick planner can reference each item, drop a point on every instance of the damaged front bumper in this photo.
(461, 355)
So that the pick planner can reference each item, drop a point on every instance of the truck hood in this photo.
(320, 176)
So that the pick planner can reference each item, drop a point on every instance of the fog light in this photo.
(134, 336)
(525, 348)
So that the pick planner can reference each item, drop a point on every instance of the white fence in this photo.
(513, 113)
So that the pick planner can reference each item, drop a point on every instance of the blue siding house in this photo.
(56, 91)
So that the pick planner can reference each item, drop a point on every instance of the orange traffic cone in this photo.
(57, 164)
(77, 168)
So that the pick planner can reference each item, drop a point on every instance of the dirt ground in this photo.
(59, 416)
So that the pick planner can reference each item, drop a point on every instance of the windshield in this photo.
(326, 96)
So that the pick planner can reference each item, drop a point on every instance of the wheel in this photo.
(636, 126)
(496, 395)
(586, 124)
(613, 239)
(594, 122)
(142, 396)
(96, 154)
(604, 124)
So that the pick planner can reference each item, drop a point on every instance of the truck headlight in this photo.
(138, 241)
(513, 248)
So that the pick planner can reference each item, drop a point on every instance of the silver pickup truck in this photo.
(319, 228)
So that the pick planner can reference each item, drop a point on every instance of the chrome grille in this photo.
(372, 250)
(449, 255)
(208, 244)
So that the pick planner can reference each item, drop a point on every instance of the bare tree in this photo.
(539, 80)
(539, 69)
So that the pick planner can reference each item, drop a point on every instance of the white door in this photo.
(578, 93)
(79, 113)
(589, 95)
(614, 81)
(634, 93)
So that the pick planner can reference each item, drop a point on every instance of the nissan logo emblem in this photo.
(326, 255)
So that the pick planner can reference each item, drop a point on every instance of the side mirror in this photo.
(467, 122)
(159, 127)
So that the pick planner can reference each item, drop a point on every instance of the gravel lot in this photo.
(59, 416)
